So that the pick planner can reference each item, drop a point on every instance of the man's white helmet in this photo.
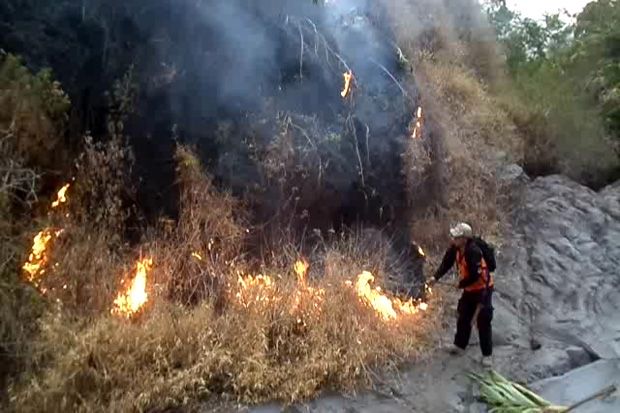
(461, 230)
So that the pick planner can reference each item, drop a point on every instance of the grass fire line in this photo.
(253, 289)
(131, 300)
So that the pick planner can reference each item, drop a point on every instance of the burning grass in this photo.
(285, 339)
(181, 318)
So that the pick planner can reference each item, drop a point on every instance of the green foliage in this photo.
(567, 79)
(596, 57)
(33, 111)
(527, 41)
(504, 396)
(32, 116)
(19, 307)
(570, 132)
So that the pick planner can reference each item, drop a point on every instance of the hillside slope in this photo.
(556, 308)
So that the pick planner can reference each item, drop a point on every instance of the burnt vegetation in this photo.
(224, 181)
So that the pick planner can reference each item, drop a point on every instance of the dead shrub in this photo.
(199, 250)
(456, 68)
(474, 129)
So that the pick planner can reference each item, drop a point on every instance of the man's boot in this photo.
(455, 350)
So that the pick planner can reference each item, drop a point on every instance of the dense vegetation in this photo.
(566, 72)
(212, 161)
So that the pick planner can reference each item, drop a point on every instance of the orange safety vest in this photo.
(485, 275)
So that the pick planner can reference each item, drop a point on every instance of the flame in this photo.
(301, 269)
(257, 281)
(386, 308)
(61, 196)
(378, 301)
(130, 302)
(38, 258)
(419, 122)
(348, 77)
(253, 289)
(305, 293)
(421, 251)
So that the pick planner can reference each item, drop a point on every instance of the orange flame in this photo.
(348, 77)
(257, 281)
(37, 259)
(253, 289)
(419, 122)
(301, 269)
(61, 196)
(130, 302)
(386, 308)
(304, 292)
(377, 300)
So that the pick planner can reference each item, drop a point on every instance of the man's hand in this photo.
(431, 282)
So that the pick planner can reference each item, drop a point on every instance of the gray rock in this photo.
(582, 383)
(507, 328)
(578, 357)
(547, 363)
(572, 285)
(512, 174)
(511, 181)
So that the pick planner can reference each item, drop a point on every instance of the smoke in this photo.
(255, 85)
(230, 75)
(231, 56)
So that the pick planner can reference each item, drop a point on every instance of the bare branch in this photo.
(391, 77)
(301, 53)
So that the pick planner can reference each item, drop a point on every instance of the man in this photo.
(477, 284)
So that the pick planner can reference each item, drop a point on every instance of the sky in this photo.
(537, 8)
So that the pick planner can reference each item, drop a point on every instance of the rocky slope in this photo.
(556, 307)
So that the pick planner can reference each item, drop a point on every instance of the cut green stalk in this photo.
(504, 396)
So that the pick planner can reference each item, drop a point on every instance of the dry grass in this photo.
(456, 68)
(85, 258)
(473, 130)
(287, 341)
(252, 353)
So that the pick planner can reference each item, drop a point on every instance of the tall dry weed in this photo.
(199, 250)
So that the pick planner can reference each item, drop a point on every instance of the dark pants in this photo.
(467, 308)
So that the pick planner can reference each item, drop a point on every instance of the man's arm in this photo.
(473, 256)
(446, 263)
